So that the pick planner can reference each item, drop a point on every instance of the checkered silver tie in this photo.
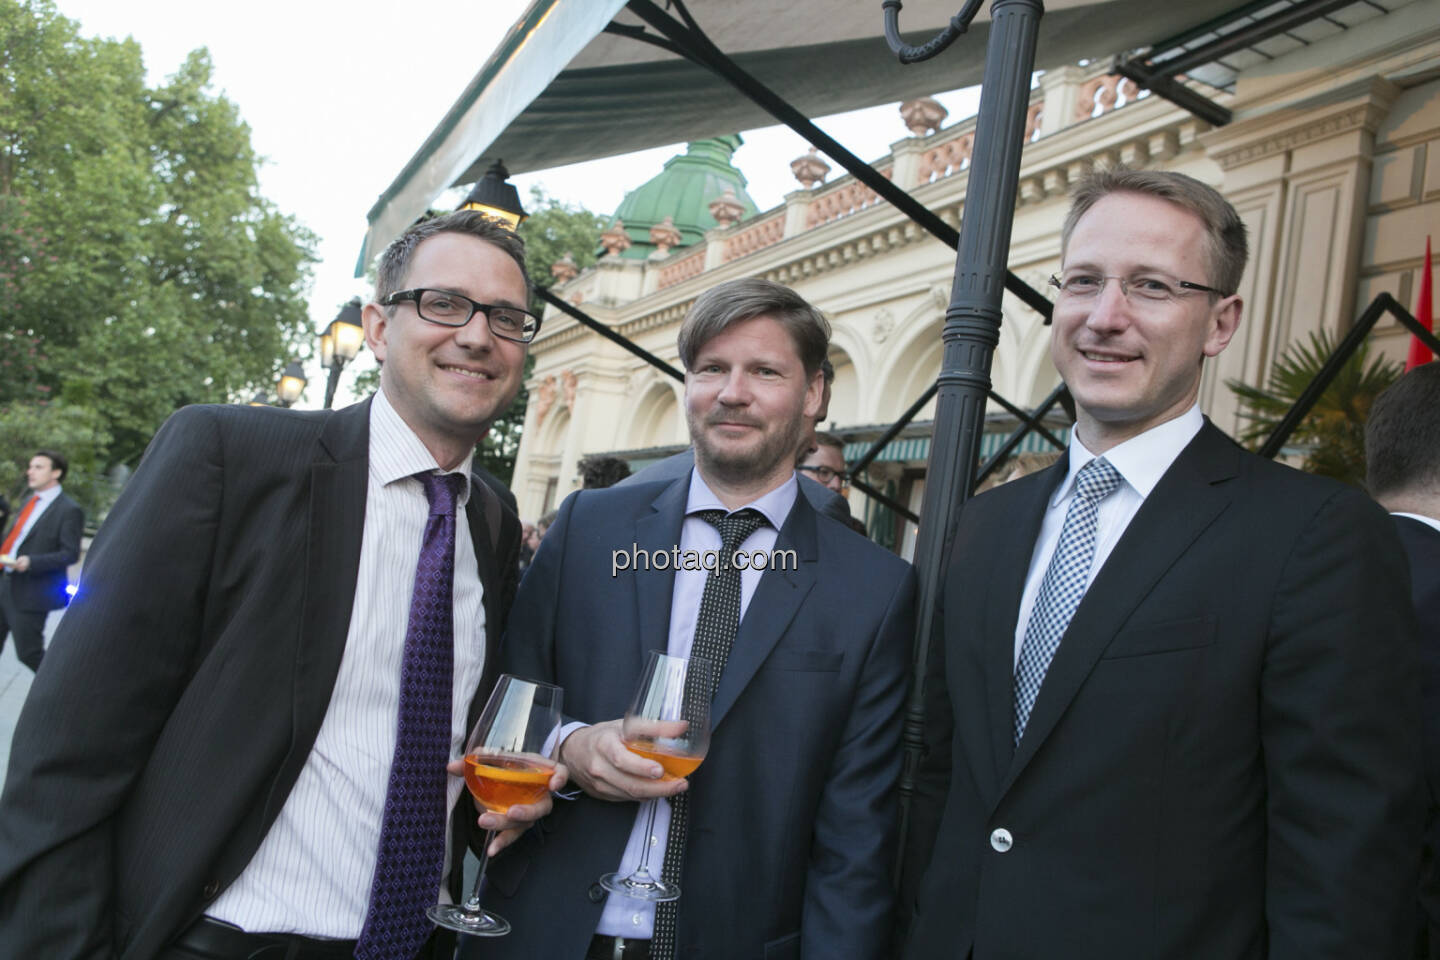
(715, 629)
(1063, 586)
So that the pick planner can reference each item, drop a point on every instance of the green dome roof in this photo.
(683, 191)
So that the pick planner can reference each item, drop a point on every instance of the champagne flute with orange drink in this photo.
(668, 722)
(506, 763)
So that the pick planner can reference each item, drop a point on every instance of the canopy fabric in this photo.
(560, 91)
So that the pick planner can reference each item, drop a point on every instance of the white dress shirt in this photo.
(1141, 461)
(312, 872)
(43, 499)
(624, 916)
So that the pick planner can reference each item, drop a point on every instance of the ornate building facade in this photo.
(1333, 160)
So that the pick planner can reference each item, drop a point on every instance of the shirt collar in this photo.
(44, 497)
(397, 453)
(774, 506)
(1141, 460)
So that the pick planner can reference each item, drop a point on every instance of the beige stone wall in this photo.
(1333, 160)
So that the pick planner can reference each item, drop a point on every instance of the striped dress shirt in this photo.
(312, 872)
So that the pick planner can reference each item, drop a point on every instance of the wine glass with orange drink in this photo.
(668, 722)
(506, 763)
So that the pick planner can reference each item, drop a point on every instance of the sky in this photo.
(338, 103)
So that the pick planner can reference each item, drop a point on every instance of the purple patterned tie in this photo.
(412, 835)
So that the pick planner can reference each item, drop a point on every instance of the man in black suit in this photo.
(239, 743)
(1402, 460)
(35, 555)
(791, 816)
(1173, 708)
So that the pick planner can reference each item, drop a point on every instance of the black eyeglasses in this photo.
(455, 310)
(825, 474)
(1153, 288)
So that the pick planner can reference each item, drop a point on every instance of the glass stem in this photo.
(644, 870)
(472, 905)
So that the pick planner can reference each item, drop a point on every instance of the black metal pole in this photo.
(569, 309)
(698, 48)
(972, 328)
(331, 384)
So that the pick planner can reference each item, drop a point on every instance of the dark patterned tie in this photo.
(715, 630)
(1063, 587)
(412, 835)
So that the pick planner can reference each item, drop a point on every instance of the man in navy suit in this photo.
(1172, 703)
(35, 554)
(1402, 461)
(791, 817)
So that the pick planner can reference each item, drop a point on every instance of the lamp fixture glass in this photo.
(494, 196)
(327, 346)
(348, 333)
(292, 383)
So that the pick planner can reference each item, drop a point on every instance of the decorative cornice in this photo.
(1363, 107)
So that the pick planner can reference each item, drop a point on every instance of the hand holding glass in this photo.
(672, 728)
(505, 764)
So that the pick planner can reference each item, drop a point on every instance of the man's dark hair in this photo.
(599, 472)
(395, 260)
(735, 301)
(57, 460)
(822, 439)
(1402, 436)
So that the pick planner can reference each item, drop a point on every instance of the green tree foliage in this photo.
(78, 432)
(1333, 433)
(140, 269)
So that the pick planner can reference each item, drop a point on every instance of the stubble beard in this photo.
(744, 469)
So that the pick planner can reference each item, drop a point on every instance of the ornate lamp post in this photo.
(292, 383)
(494, 196)
(339, 344)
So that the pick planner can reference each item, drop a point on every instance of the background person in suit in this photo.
(1173, 705)
(238, 745)
(791, 817)
(35, 554)
(1402, 470)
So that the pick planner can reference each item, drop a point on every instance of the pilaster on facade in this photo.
(1299, 174)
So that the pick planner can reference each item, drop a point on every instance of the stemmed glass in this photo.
(668, 722)
(505, 764)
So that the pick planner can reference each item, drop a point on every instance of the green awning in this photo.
(917, 449)
(559, 90)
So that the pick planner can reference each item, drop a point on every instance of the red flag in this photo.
(1419, 353)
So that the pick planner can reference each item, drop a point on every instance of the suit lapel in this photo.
(336, 521)
(477, 515)
(1001, 602)
(777, 597)
(657, 531)
(1182, 505)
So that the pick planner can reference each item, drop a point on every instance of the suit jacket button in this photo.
(211, 890)
(596, 893)
(1000, 840)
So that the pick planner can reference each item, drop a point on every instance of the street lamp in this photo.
(339, 344)
(292, 383)
(496, 197)
(259, 400)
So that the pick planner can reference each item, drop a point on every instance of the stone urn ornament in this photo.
(809, 169)
(923, 115)
(727, 209)
(615, 240)
(665, 235)
(564, 270)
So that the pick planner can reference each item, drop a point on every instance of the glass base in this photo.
(481, 923)
(640, 886)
